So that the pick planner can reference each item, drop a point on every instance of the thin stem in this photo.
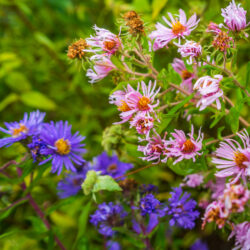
(165, 92)
(15, 203)
(225, 137)
(135, 171)
(168, 105)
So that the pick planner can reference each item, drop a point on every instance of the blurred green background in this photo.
(35, 73)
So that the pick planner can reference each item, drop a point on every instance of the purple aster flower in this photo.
(113, 245)
(149, 204)
(233, 159)
(199, 245)
(63, 147)
(178, 28)
(242, 236)
(108, 216)
(181, 210)
(193, 180)
(183, 148)
(110, 165)
(209, 89)
(71, 184)
(36, 147)
(190, 49)
(30, 125)
(234, 17)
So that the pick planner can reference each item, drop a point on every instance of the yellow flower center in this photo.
(188, 146)
(239, 158)
(143, 103)
(178, 28)
(62, 146)
(17, 131)
(124, 107)
(109, 45)
(185, 74)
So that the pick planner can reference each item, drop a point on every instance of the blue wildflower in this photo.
(199, 245)
(149, 204)
(71, 184)
(63, 148)
(110, 165)
(36, 147)
(181, 209)
(113, 245)
(30, 125)
(108, 216)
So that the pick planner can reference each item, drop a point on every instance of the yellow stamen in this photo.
(143, 103)
(109, 45)
(178, 28)
(124, 107)
(17, 131)
(185, 74)
(62, 146)
(188, 146)
(239, 158)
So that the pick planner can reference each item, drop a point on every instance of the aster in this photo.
(213, 27)
(210, 91)
(148, 189)
(190, 49)
(113, 245)
(63, 148)
(199, 245)
(142, 123)
(179, 66)
(242, 236)
(149, 204)
(193, 180)
(233, 159)
(30, 125)
(181, 209)
(216, 212)
(178, 28)
(108, 216)
(182, 147)
(36, 146)
(110, 165)
(234, 17)
(154, 149)
(102, 67)
(141, 101)
(235, 198)
(104, 41)
(71, 184)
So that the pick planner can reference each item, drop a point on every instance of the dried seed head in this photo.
(130, 15)
(128, 185)
(75, 50)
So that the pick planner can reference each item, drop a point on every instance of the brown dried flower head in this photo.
(134, 22)
(222, 41)
(75, 50)
(128, 185)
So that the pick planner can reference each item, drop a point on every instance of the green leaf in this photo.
(106, 182)
(248, 75)
(18, 82)
(8, 100)
(37, 100)
(233, 119)
(172, 113)
(89, 182)
(117, 62)
(157, 6)
(44, 40)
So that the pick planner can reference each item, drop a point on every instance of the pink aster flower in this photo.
(140, 101)
(210, 91)
(234, 17)
(102, 68)
(216, 212)
(213, 27)
(242, 236)
(154, 149)
(217, 188)
(190, 49)
(179, 27)
(142, 123)
(235, 198)
(182, 147)
(193, 180)
(104, 41)
(233, 159)
(186, 76)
